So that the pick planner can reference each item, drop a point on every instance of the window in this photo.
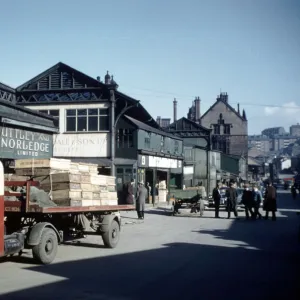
(216, 129)
(51, 112)
(162, 143)
(124, 138)
(147, 142)
(95, 119)
(188, 154)
(226, 129)
(176, 146)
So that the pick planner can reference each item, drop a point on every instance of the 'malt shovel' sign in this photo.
(18, 143)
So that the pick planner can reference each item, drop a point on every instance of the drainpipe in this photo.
(113, 131)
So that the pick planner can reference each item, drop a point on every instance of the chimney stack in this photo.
(98, 78)
(197, 109)
(174, 110)
(238, 108)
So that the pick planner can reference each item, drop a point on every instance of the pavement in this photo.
(167, 257)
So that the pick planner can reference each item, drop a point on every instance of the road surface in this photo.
(171, 258)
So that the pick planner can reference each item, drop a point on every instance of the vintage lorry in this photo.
(24, 225)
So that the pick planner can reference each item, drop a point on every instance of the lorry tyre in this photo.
(46, 250)
(112, 236)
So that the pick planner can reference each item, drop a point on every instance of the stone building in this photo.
(229, 127)
(295, 130)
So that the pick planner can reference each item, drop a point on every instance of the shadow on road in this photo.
(256, 265)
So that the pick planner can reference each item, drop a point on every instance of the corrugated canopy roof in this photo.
(148, 128)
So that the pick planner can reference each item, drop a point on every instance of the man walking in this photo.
(257, 197)
(141, 196)
(247, 200)
(217, 199)
(231, 205)
(270, 201)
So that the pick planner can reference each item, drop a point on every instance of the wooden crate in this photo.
(85, 178)
(100, 195)
(52, 163)
(95, 188)
(37, 172)
(112, 195)
(111, 188)
(96, 202)
(56, 186)
(67, 202)
(98, 180)
(87, 202)
(87, 195)
(66, 194)
(110, 180)
(109, 202)
(86, 187)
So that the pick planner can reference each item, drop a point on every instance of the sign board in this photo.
(162, 162)
(81, 145)
(188, 170)
(19, 144)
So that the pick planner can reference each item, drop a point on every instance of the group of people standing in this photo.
(251, 199)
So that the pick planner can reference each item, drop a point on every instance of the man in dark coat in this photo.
(129, 192)
(294, 192)
(270, 203)
(247, 200)
(257, 201)
(231, 195)
(141, 195)
(217, 199)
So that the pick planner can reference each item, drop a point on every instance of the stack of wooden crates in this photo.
(68, 183)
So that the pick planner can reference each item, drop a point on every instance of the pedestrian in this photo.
(141, 196)
(201, 203)
(129, 192)
(217, 199)
(294, 192)
(270, 204)
(257, 197)
(248, 201)
(231, 205)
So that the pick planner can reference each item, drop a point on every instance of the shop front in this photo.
(24, 134)
(159, 174)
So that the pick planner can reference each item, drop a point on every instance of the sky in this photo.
(159, 50)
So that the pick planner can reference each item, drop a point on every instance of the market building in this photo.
(99, 124)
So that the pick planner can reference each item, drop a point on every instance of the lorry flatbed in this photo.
(15, 206)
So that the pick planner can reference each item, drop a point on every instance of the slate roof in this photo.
(148, 128)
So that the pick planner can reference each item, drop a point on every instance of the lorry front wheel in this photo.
(46, 250)
(112, 236)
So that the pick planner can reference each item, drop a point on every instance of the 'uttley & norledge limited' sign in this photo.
(18, 143)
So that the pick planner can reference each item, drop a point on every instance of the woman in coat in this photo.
(270, 202)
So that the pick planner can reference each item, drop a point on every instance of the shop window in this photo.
(124, 138)
(92, 120)
(120, 171)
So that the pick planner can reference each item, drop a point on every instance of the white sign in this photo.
(188, 170)
(163, 162)
(81, 145)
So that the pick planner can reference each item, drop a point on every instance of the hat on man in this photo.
(141, 182)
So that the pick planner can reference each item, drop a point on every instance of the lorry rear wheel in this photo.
(112, 236)
(46, 250)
